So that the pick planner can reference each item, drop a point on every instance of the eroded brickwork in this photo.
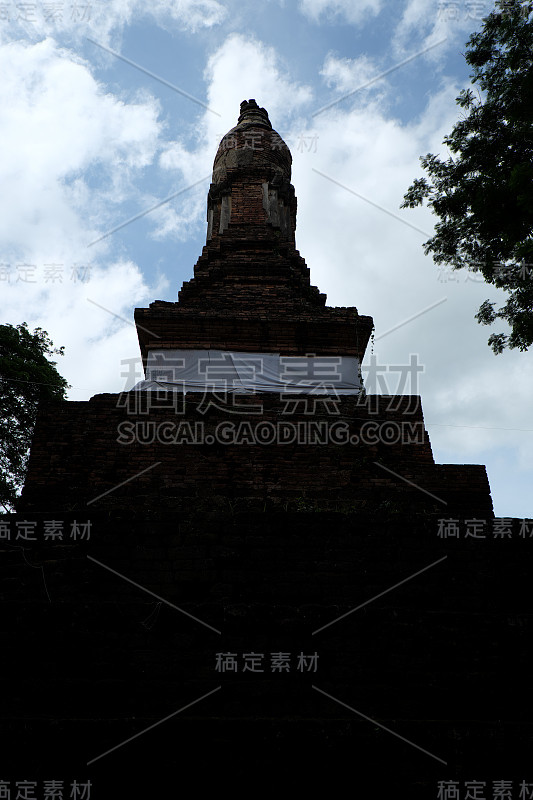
(250, 450)
(245, 523)
(251, 289)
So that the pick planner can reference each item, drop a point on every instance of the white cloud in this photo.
(104, 20)
(243, 68)
(461, 404)
(425, 22)
(58, 125)
(353, 12)
(97, 338)
(420, 17)
(347, 74)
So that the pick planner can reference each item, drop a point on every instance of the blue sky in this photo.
(90, 141)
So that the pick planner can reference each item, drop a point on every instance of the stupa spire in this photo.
(251, 182)
(251, 291)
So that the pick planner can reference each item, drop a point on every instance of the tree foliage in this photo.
(483, 193)
(26, 378)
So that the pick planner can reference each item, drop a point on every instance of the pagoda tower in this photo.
(251, 290)
(245, 500)
(253, 392)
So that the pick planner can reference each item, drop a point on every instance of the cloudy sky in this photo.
(108, 109)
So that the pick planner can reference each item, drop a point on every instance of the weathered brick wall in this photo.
(250, 269)
(214, 455)
(201, 544)
(252, 292)
(94, 659)
(289, 337)
(251, 289)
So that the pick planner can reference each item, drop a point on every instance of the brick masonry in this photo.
(348, 453)
(94, 659)
(251, 289)
(201, 544)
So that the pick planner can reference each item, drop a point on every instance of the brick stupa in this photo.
(251, 293)
(251, 289)
(205, 551)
